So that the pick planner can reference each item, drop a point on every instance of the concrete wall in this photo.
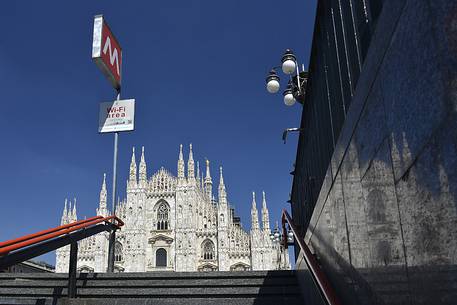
(385, 224)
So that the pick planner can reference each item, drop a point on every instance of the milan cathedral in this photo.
(176, 224)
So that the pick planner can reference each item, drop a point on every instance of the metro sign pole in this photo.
(107, 54)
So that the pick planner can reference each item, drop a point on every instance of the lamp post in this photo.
(278, 241)
(295, 90)
(296, 86)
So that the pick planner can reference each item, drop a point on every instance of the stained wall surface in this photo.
(384, 225)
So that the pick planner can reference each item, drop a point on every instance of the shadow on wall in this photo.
(385, 229)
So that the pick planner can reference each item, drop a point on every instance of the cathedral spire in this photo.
(73, 215)
(69, 211)
(198, 172)
(265, 214)
(254, 214)
(132, 176)
(208, 175)
(222, 191)
(190, 164)
(64, 218)
(180, 163)
(142, 171)
(102, 208)
(208, 182)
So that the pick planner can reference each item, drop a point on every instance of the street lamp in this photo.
(272, 82)
(274, 236)
(289, 98)
(295, 90)
(290, 237)
(280, 245)
(289, 62)
(278, 238)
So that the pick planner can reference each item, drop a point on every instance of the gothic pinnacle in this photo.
(74, 217)
(222, 191)
(102, 203)
(208, 175)
(254, 214)
(190, 164)
(65, 207)
(198, 171)
(265, 214)
(104, 182)
(208, 182)
(132, 176)
(143, 174)
(64, 218)
(221, 179)
(180, 163)
(253, 206)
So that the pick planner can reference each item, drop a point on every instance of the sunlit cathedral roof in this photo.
(162, 182)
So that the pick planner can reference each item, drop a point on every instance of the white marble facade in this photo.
(176, 224)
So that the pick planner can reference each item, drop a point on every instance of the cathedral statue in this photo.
(176, 224)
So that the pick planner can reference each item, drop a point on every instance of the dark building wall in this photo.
(384, 218)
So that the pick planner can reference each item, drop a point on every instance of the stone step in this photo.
(272, 300)
(153, 291)
(169, 282)
(230, 288)
(158, 274)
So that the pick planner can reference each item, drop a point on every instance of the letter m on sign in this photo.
(106, 52)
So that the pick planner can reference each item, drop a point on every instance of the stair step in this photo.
(202, 288)
(179, 282)
(155, 301)
(153, 291)
(159, 274)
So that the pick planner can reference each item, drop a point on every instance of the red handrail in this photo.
(318, 275)
(30, 236)
(31, 239)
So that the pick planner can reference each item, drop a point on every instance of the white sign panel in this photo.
(116, 116)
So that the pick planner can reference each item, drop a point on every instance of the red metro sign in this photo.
(106, 52)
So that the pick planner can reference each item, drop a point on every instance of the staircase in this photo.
(240, 288)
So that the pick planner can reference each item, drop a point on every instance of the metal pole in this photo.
(72, 270)
(112, 235)
(112, 239)
(298, 78)
(116, 136)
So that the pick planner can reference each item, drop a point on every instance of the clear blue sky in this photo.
(197, 70)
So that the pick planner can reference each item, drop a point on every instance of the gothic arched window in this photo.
(118, 252)
(162, 217)
(161, 257)
(208, 250)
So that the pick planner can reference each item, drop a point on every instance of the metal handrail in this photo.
(31, 239)
(317, 274)
(40, 233)
(42, 242)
